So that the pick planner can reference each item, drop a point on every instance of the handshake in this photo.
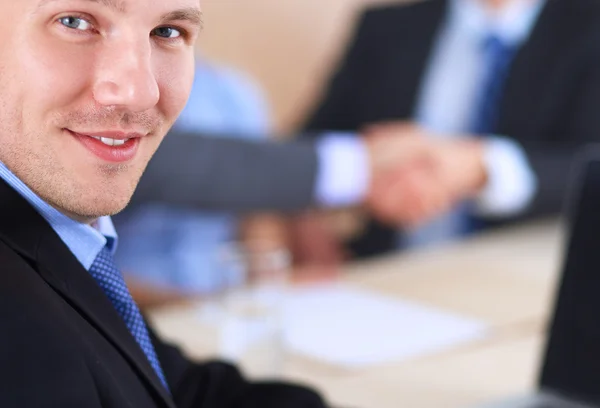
(416, 177)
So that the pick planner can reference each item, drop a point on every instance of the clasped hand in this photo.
(417, 176)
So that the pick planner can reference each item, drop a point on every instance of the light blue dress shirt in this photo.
(84, 241)
(176, 247)
(344, 170)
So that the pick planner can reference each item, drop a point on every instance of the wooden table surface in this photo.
(506, 278)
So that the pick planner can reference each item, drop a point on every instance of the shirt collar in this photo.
(105, 226)
(512, 23)
(84, 241)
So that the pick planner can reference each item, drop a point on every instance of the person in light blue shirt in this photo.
(177, 249)
(225, 100)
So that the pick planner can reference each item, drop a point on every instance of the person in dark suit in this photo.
(89, 91)
(516, 82)
(63, 343)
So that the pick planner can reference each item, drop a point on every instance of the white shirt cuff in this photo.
(512, 184)
(344, 170)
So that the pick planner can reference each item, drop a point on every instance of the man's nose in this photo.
(125, 76)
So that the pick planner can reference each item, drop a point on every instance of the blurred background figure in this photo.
(168, 251)
(502, 90)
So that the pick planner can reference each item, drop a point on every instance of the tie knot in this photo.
(105, 253)
(105, 261)
(497, 48)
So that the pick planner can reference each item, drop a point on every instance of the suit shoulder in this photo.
(575, 15)
(403, 11)
(584, 5)
(382, 21)
(578, 21)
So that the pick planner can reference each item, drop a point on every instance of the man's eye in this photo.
(75, 23)
(167, 32)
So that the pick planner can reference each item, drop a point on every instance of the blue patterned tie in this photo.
(108, 276)
(498, 57)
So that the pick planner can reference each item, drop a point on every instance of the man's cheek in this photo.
(177, 86)
(58, 69)
(176, 103)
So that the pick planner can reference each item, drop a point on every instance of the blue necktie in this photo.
(498, 57)
(108, 276)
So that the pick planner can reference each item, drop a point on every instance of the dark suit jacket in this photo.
(62, 344)
(550, 101)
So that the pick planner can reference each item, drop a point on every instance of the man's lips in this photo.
(111, 146)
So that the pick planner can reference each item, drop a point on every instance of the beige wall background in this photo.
(288, 46)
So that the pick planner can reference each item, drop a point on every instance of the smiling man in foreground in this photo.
(89, 89)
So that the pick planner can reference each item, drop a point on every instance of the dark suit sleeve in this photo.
(554, 166)
(220, 385)
(230, 174)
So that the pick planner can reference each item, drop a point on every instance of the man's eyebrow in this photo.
(116, 5)
(190, 14)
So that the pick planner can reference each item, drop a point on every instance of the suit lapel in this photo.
(415, 32)
(28, 233)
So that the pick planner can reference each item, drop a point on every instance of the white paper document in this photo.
(354, 328)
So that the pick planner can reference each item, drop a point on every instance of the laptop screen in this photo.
(572, 362)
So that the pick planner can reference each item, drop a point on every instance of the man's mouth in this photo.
(110, 145)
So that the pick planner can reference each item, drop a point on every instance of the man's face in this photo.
(75, 71)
